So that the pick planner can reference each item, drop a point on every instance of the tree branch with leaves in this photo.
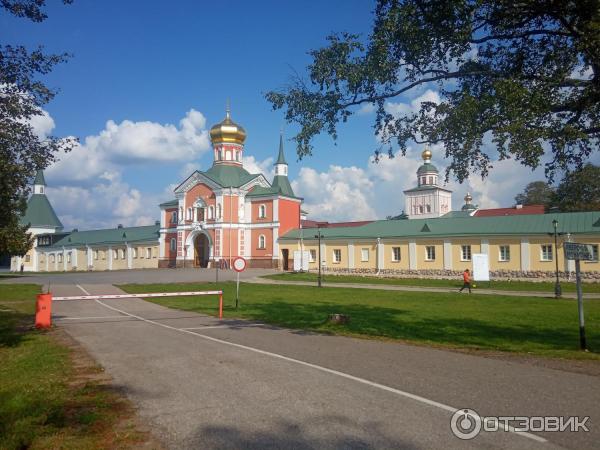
(522, 75)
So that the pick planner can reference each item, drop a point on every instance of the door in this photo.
(286, 258)
(201, 251)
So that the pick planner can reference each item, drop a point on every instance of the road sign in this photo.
(582, 252)
(239, 264)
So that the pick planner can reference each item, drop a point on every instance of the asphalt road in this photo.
(204, 383)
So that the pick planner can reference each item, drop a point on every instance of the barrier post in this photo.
(43, 311)
(221, 305)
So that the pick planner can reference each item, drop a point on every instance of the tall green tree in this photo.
(535, 193)
(579, 190)
(523, 74)
(22, 152)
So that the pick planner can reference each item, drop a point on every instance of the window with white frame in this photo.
(115, 254)
(428, 208)
(135, 252)
(60, 257)
(430, 253)
(337, 255)
(546, 252)
(69, 257)
(173, 244)
(504, 253)
(149, 252)
(595, 252)
(211, 212)
(312, 256)
(103, 254)
(122, 253)
(262, 242)
(262, 211)
(27, 258)
(190, 213)
(465, 253)
(395, 254)
(364, 254)
(95, 255)
(219, 211)
(174, 217)
(420, 209)
(52, 258)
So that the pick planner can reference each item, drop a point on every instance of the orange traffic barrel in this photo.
(43, 311)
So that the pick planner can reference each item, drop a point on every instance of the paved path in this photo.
(393, 287)
(204, 383)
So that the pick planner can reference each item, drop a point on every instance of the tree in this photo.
(535, 193)
(22, 152)
(579, 190)
(523, 75)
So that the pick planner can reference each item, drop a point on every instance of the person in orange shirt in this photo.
(466, 280)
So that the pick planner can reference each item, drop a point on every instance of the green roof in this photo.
(260, 191)
(280, 157)
(40, 213)
(39, 178)
(282, 184)
(169, 203)
(522, 225)
(227, 175)
(109, 236)
(457, 214)
(427, 167)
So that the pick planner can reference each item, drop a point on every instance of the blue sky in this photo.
(140, 67)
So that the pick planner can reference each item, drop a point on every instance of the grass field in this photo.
(40, 406)
(542, 286)
(539, 326)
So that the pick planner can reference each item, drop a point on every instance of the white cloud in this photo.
(366, 109)
(341, 193)
(129, 143)
(401, 109)
(252, 165)
(42, 124)
(188, 169)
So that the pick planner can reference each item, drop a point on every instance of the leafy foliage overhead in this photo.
(535, 193)
(579, 190)
(521, 75)
(22, 152)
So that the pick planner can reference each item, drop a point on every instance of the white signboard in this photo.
(481, 267)
(583, 252)
(301, 261)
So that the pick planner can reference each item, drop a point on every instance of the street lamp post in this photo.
(557, 288)
(318, 236)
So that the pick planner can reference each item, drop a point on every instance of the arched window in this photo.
(219, 212)
(262, 241)
(211, 212)
(423, 180)
(42, 190)
(180, 213)
(420, 209)
(262, 211)
(174, 217)
(430, 180)
(52, 258)
(428, 208)
(190, 213)
(173, 244)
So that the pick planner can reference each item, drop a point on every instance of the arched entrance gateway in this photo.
(201, 250)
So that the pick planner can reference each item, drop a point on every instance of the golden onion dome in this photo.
(227, 131)
(468, 198)
(426, 154)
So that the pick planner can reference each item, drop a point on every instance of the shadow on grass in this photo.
(403, 324)
(14, 327)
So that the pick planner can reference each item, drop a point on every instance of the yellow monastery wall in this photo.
(371, 263)
(422, 263)
(389, 262)
(514, 245)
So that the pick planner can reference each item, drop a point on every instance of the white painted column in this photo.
(485, 248)
(380, 255)
(275, 243)
(64, 253)
(412, 255)
(447, 254)
(323, 254)
(350, 255)
(129, 256)
(525, 254)
(110, 258)
(74, 258)
(275, 210)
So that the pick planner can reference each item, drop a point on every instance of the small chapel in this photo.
(226, 211)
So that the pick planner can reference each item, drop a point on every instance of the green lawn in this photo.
(492, 322)
(39, 407)
(542, 286)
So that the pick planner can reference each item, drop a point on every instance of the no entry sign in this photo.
(239, 264)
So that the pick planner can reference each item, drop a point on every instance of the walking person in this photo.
(466, 280)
